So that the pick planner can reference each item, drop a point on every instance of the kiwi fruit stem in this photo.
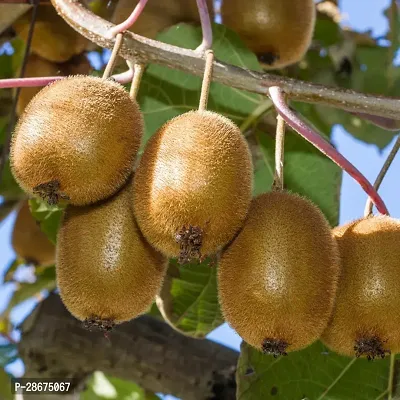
(138, 71)
(279, 153)
(205, 88)
(125, 25)
(381, 175)
(113, 58)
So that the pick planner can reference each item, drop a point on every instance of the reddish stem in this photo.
(277, 97)
(206, 28)
(28, 82)
(122, 78)
(125, 25)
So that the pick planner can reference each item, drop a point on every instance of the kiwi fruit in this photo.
(193, 185)
(279, 32)
(366, 318)
(28, 240)
(106, 272)
(53, 38)
(159, 15)
(77, 140)
(277, 279)
(37, 66)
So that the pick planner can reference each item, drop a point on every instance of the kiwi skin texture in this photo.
(53, 38)
(105, 269)
(37, 66)
(277, 279)
(82, 133)
(196, 170)
(368, 301)
(279, 32)
(28, 240)
(159, 15)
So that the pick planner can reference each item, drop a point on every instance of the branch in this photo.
(142, 50)
(146, 351)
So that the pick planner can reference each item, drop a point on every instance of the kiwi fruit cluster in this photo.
(76, 144)
(285, 278)
(279, 32)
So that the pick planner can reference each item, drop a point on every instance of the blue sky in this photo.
(367, 158)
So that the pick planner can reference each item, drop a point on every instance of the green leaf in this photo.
(46, 280)
(48, 216)
(102, 386)
(314, 374)
(326, 32)
(165, 93)
(189, 299)
(5, 386)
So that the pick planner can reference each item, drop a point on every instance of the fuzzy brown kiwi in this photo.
(28, 240)
(159, 15)
(366, 318)
(77, 140)
(193, 185)
(37, 66)
(279, 32)
(277, 279)
(53, 38)
(106, 272)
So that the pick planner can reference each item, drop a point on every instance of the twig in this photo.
(205, 87)
(205, 27)
(279, 153)
(291, 118)
(113, 57)
(125, 25)
(142, 50)
(7, 140)
(137, 77)
(381, 175)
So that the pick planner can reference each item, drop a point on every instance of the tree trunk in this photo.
(146, 351)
